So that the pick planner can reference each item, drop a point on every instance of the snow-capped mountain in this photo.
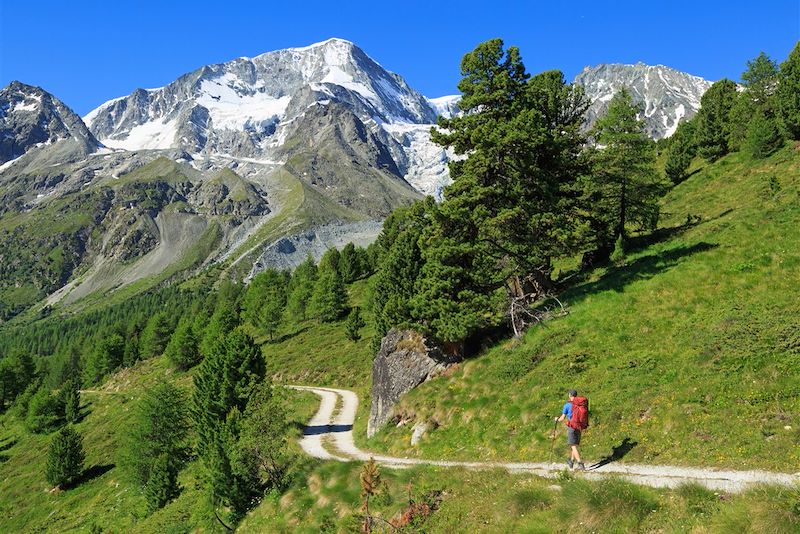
(32, 118)
(668, 96)
(250, 107)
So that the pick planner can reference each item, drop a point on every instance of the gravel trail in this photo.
(329, 435)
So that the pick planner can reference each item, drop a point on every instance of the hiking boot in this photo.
(570, 463)
(581, 467)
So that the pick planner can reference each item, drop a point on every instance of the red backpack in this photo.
(580, 414)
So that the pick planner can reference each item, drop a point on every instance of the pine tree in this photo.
(401, 261)
(512, 206)
(354, 324)
(680, 152)
(624, 187)
(183, 350)
(349, 268)
(329, 298)
(301, 287)
(265, 301)
(44, 411)
(330, 260)
(106, 357)
(155, 336)
(763, 136)
(162, 485)
(72, 401)
(9, 386)
(223, 321)
(713, 120)
(65, 458)
(788, 92)
(760, 79)
(223, 381)
(160, 428)
(262, 452)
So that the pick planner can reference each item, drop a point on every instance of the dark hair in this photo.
(572, 393)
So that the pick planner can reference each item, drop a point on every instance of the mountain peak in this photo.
(30, 117)
(668, 96)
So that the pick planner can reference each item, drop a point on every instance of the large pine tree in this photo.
(512, 207)
(624, 186)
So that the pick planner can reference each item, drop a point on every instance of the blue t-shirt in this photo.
(567, 410)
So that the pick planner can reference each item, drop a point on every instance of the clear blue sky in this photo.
(88, 52)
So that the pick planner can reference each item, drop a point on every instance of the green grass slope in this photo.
(105, 500)
(689, 350)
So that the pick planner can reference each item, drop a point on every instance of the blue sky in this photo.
(88, 52)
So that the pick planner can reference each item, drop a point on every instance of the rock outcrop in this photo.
(406, 359)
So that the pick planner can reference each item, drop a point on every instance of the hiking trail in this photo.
(329, 436)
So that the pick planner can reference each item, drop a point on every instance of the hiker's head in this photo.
(572, 394)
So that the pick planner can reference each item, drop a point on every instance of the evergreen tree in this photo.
(132, 334)
(223, 321)
(224, 382)
(354, 324)
(162, 486)
(401, 261)
(349, 268)
(65, 458)
(265, 301)
(301, 287)
(160, 428)
(512, 206)
(624, 187)
(330, 260)
(262, 454)
(713, 120)
(760, 79)
(788, 92)
(329, 298)
(106, 357)
(763, 136)
(44, 411)
(9, 386)
(680, 152)
(72, 400)
(183, 350)
(155, 336)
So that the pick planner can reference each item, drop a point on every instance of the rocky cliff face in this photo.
(31, 118)
(666, 95)
(406, 359)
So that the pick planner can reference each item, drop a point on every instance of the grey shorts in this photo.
(573, 436)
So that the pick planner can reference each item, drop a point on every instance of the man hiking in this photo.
(576, 416)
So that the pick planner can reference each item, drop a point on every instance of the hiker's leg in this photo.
(575, 454)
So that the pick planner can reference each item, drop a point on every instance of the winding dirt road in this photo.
(329, 436)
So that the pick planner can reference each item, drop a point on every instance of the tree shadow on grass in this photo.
(617, 453)
(643, 268)
(91, 473)
(286, 337)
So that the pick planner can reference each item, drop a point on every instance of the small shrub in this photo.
(525, 500)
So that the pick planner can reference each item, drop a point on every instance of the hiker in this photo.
(576, 416)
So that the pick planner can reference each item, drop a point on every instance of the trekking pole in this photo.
(553, 441)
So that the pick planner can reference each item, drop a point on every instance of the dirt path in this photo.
(329, 435)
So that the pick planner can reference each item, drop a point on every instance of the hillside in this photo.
(688, 349)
